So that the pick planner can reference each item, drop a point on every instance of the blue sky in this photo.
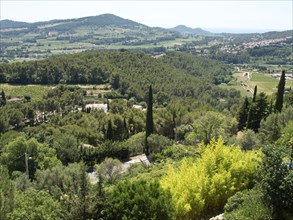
(216, 16)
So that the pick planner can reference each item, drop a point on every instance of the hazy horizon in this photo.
(214, 16)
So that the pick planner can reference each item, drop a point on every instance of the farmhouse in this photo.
(102, 107)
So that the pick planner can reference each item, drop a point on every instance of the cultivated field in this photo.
(265, 83)
(36, 92)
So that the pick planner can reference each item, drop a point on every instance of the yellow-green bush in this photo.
(203, 186)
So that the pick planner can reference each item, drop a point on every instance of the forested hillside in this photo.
(130, 73)
(124, 135)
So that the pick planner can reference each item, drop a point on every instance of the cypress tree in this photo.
(108, 105)
(3, 98)
(149, 120)
(109, 131)
(126, 131)
(261, 110)
(250, 117)
(243, 114)
(280, 93)
(251, 112)
(254, 93)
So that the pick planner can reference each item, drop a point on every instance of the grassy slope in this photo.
(264, 82)
(35, 91)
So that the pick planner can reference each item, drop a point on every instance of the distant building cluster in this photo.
(252, 44)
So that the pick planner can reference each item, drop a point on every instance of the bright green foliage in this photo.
(139, 200)
(149, 120)
(41, 155)
(246, 206)
(6, 193)
(280, 93)
(203, 186)
(33, 204)
(177, 152)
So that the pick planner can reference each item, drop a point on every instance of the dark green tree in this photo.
(251, 112)
(243, 114)
(126, 131)
(108, 105)
(254, 93)
(277, 181)
(3, 98)
(259, 110)
(6, 193)
(4, 121)
(280, 93)
(118, 129)
(250, 117)
(149, 119)
(109, 134)
(35, 204)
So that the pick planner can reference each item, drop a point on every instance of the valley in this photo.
(102, 117)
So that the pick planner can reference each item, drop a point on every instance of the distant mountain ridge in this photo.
(105, 20)
(12, 24)
(187, 30)
(92, 21)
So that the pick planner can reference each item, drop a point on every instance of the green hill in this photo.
(129, 73)
(187, 30)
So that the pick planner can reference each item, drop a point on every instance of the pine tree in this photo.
(243, 114)
(109, 131)
(280, 93)
(149, 120)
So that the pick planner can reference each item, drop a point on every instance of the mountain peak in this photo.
(187, 30)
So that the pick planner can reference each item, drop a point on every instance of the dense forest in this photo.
(129, 73)
(209, 150)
